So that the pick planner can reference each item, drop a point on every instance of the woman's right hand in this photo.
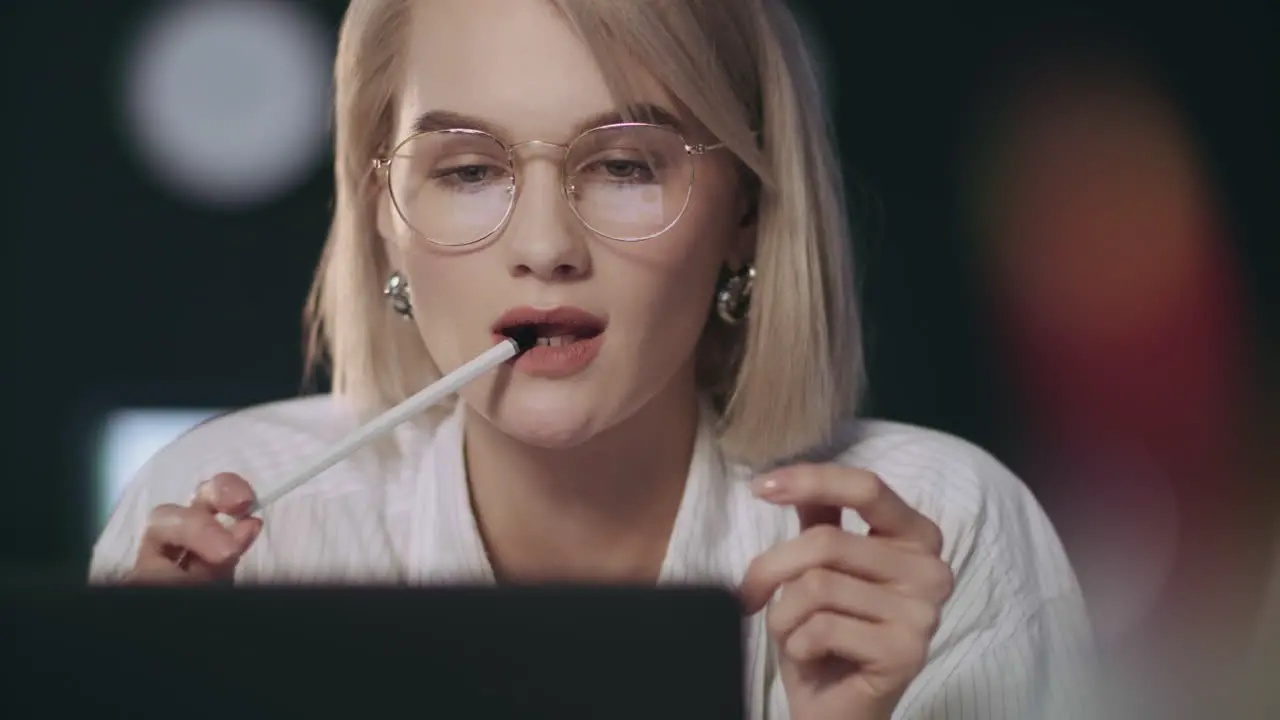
(189, 545)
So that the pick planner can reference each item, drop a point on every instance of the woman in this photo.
(651, 186)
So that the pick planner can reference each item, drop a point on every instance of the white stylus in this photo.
(520, 340)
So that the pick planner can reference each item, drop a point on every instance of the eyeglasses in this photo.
(627, 181)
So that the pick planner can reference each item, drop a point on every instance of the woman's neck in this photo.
(599, 512)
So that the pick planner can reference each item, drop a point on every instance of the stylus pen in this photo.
(518, 341)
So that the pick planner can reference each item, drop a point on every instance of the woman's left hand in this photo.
(856, 613)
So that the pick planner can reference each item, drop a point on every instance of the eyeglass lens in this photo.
(626, 182)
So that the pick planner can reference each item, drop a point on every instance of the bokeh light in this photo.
(226, 102)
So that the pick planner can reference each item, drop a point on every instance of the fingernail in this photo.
(199, 494)
(769, 487)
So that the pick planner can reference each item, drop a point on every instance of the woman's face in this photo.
(637, 309)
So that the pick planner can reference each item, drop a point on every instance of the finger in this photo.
(837, 486)
(245, 532)
(195, 530)
(156, 569)
(178, 565)
(820, 589)
(884, 646)
(224, 493)
(815, 515)
(834, 486)
(827, 547)
(907, 572)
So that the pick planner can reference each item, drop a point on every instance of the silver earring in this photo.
(734, 297)
(397, 290)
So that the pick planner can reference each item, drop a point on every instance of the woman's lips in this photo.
(557, 356)
(569, 339)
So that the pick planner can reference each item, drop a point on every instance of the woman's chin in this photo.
(549, 415)
(551, 431)
(549, 437)
(550, 425)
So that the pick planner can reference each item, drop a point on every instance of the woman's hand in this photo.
(189, 545)
(856, 614)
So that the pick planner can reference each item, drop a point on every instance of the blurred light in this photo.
(1105, 218)
(1119, 307)
(227, 101)
(1123, 533)
(129, 439)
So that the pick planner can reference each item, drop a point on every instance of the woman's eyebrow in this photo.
(434, 120)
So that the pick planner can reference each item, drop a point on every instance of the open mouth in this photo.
(554, 334)
(565, 340)
(552, 328)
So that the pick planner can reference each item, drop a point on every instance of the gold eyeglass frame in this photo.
(383, 165)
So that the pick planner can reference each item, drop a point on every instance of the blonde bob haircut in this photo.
(785, 378)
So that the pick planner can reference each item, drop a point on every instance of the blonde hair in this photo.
(782, 380)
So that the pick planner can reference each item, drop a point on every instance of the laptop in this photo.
(187, 653)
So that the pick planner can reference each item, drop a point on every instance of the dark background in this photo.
(122, 293)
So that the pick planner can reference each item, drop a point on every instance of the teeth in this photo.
(556, 341)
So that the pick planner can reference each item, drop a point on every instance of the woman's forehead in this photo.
(516, 64)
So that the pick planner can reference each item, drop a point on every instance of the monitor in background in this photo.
(128, 438)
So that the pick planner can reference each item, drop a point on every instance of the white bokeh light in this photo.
(129, 438)
(227, 101)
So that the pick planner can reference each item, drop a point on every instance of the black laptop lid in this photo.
(368, 653)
